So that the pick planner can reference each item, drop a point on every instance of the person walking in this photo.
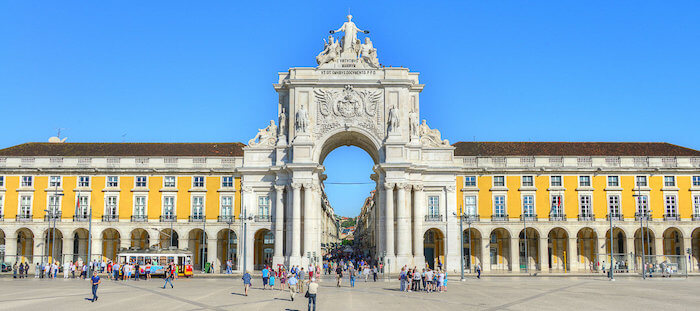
(300, 279)
(374, 273)
(14, 271)
(478, 271)
(272, 279)
(292, 282)
(95, 282)
(21, 270)
(246, 282)
(353, 274)
(338, 275)
(311, 293)
(168, 276)
(265, 277)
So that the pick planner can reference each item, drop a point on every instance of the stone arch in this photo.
(111, 242)
(348, 136)
(529, 259)
(53, 245)
(198, 246)
(472, 252)
(499, 249)
(3, 242)
(587, 249)
(25, 245)
(695, 248)
(227, 241)
(619, 241)
(673, 242)
(80, 244)
(168, 238)
(558, 242)
(140, 239)
(264, 245)
(649, 238)
(434, 247)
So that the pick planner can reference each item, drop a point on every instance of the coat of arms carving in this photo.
(348, 107)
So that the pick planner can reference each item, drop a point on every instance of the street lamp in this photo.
(612, 278)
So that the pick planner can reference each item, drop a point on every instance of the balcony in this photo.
(168, 218)
(557, 217)
(225, 218)
(471, 218)
(81, 218)
(139, 218)
(696, 217)
(528, 217)
(110, 218)
(671, 217)
(23, 218)
(586, 217)
(639, 216)
(56, 216)
(502, 217)
(196, 218)
(616, 217)
(262, 218)
(433, 218)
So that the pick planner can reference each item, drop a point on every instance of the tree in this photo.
(348, 223)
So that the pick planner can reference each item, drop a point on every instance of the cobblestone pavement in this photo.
(540, 293)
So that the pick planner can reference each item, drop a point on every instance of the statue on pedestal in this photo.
(431, 137)
(350, 30)
(413, 124)
(368, 54)
(302, 120)
(266, 136)
(393, 120)
(331, 51)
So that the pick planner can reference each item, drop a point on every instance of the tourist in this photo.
(478, 271)
(21, 270)
(95, 282)
(168, 274)
(416, 279)
(229, 265)
(311, 294)
(402, 279)
(300, 279)
(265, 277)
(283, 278)
(292, 281)
(137, 271)
(246, 282)
(374, 272)
(338, 275)
(365, 272)
(66, 269)
(14, 271)
(272, 279)
(352, 273)
(441, 281)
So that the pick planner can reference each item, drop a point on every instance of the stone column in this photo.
(418, 209)
(515, 254)
(452, 236)
(213, 253)
(96, 249)
(11, 247)
(379, 220)
(571, 253)
(544, 254)
(402, 226)
(68, 246)
(485, 254)
(308, 220)
(296, 225)
(278, 257)
(659, 245)
(389, 222)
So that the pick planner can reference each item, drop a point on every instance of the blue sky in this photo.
(183, 71)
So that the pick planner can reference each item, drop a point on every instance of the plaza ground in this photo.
(490, 293)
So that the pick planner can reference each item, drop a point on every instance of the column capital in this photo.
(418, 187)
(295, 185)
(451, 188)
(389, 186)
(246, 189)
(279, 188)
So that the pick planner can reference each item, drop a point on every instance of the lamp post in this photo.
(527, 258)
(228, 239)
(89, 240)
(204, 239)
(642, 215)
(612, 278)
(461, 242)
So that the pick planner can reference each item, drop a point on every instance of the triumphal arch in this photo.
(350, 99)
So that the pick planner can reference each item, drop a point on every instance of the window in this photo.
(111, 205)
(2, 209)
(198, 182)
(54, 204)
(2, 181)
(499, 181)
(112, 181)
(198, 206)
(555, 181)
(269, 238)
(669, 181)
(84, 181)
(696, 205)
(169, 182)
(141, 181)
(671, 205)
(470, 205)
(584, 181)
(643, 205)
(227, 182)
(528, 205)
(140, 205)
(586, 205)
(499, 205)
(613, 181)
(264, 206)
(25, 206)
(470, 181)
(27, 181)
(557, 206)
(641, 181)
(226, 206)
(55, 181)
(169, 206)
(696, 181)
(527, 181)
(433, 206)
(81, 209)
(614, 205)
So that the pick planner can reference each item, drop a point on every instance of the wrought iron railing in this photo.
(139, 218)
(471, 218)
(110, 218)
(499, 217)
(528, 217)
(81, 218)
(671, 217)
(53, 216)
(617, 217)
(645, 216)
(586, 217)
(225, 218)
(23, 218)
(262, 218)
(696, 217)
(196, 218)
(168, 218)
(433, 218)
(557, 217)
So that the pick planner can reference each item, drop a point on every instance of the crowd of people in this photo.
(427, 280)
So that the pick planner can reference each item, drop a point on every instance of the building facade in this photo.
(507, 206)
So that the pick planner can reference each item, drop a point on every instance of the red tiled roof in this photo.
(571, 149)
(124, 149)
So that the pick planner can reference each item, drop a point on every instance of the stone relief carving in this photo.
(348, 52)
(331, 51)
(265, 137)
(348, 107)
(393, 121)
(302, 120)
(431, 137)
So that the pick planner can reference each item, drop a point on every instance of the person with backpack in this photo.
(168, 276)
(246, 282)
(338, 275)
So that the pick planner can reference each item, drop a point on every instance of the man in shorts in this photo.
(265, 277)
(338, 275)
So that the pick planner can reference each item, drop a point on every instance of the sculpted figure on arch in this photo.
(302, 120)
(266, 136)
(331, 51)
(393, 120)
(350, 31)
(431, 137)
